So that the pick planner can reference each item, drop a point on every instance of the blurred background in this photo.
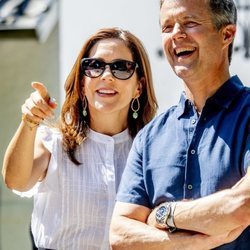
(39, 41)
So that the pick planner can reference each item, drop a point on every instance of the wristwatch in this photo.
(164, 216)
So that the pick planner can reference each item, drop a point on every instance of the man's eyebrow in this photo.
(190, 17)
(181, 17)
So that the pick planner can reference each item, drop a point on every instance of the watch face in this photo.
(161, 214)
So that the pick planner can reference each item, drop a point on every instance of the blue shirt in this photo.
(181, 155)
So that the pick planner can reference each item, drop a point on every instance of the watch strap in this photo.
(170, 219)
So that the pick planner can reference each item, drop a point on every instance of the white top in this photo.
(73, 204)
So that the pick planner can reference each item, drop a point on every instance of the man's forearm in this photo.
(212, 215)
(131, 234)
(126, 233)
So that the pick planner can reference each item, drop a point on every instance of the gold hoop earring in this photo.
(135, 110)
(84, 108)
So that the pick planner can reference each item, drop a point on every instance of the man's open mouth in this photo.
(184, 51)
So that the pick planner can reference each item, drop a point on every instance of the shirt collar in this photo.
(183, 104)
(227, 92)
(118, 138)
(223, 97)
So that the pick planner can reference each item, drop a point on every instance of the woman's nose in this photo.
(107, 74)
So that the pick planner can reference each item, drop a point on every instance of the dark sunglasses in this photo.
(120, 69)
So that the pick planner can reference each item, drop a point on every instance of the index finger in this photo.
(42, 90)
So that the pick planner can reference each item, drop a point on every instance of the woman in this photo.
(75, 170)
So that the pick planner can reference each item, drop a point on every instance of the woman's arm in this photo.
(26, 159)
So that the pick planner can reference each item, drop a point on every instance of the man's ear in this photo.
(228, 33)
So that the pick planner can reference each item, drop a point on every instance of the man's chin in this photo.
(182, 71)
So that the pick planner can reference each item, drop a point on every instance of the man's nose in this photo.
(178, 32)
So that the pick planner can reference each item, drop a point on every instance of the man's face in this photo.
(192, 45)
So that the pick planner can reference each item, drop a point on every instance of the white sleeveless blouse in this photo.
(73, 204)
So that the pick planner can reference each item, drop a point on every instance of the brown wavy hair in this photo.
(73, 124)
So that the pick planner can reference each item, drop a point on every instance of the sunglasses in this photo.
(120, 69)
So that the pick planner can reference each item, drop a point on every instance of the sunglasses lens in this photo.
(92, 68)
(123, 69)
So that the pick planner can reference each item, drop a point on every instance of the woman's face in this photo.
(107, 94)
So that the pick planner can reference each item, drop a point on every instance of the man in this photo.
(190, 164)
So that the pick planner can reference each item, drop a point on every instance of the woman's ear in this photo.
(140, 85)
(82, 90)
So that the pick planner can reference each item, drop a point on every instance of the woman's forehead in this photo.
(110, 47)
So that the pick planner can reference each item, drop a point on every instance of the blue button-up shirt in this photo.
(184, 155)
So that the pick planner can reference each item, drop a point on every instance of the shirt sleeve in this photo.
(132, 187)
(48, 136)
(246, 160)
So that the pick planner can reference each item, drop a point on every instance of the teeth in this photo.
(180, 50)
(106, 91)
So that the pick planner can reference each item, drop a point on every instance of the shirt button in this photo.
(193, 121)
(190, 187)
(192, 151)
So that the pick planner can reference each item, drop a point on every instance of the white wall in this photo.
(79, 19)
